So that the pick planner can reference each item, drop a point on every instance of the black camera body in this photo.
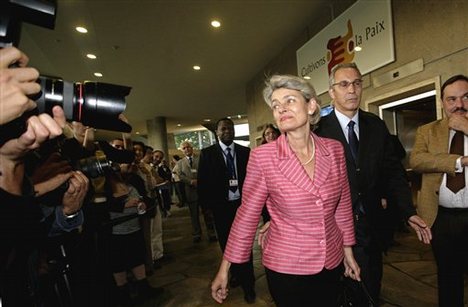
(94, 104)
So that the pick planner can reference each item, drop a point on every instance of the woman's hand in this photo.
(262, 232)
(219, 289)
(352, 269)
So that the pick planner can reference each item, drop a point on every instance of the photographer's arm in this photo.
(51, 174)
(39, 129)
(126, 137)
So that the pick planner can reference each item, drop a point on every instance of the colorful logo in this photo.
(340, 49)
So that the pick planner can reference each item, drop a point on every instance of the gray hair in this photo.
(293, 83)
(331, 78)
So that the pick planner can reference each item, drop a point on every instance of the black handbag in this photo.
(355, 297)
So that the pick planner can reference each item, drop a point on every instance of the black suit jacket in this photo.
(213, 175)
(377, 173)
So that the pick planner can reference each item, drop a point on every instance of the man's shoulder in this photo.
(241, 148)
(437, 124)
(370, 117)
(209, 149)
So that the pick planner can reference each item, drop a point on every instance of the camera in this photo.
(94, 104)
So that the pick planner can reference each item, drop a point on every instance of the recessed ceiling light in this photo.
(357, 48)
(196, 67)
(91, 56)
(239, 116)
(215, 23)
(81, 29)
(229, 117)
(179, 125)
(207, 120)
(307, 77)
(138, 132)
(98, 74)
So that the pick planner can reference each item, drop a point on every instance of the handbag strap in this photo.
(366, 292)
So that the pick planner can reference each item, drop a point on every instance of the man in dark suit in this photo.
(374, 173)
(221, 174)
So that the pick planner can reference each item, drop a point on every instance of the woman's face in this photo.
(270, 135)
(290, 109)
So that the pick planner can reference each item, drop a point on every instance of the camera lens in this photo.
(94, 167)
(93, 104)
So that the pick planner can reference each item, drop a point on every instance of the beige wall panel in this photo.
(432, 30)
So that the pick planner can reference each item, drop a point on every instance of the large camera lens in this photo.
(93, 104)
(94, 167)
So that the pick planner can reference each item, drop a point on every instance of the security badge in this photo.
(233, 183)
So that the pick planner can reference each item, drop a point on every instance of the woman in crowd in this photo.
(303, 181)
(270, 134)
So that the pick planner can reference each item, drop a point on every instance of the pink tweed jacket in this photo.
(311, 220)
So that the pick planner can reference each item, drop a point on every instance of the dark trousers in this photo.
(368, 255)
(321, 289)
(224, 215)
(450, 247)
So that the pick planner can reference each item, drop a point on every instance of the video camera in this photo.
(94, 104)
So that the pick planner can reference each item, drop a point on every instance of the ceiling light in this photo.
(215, 24)
(81, 29)
(137, 132)
(98, 74)
(91, 56)
(207, 120)
(239, 116)
(196, 67)
(179, 125)
(357, 48)
(307, 77)
(229, 117)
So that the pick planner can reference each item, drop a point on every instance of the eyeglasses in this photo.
(345, 84)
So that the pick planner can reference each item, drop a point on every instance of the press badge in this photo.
(193, 170)
(233, 182)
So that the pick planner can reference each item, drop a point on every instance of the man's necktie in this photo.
(353, 140)
(190, 161)
(457, 182)
(231, 168)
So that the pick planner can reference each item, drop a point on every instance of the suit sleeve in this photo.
(344, 211)
(244, 227)
(203, 178)
(184, 177)
(396, 182)
(423, 161)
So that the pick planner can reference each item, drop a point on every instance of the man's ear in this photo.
(331, 92)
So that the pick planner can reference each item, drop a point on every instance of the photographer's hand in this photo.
(75, 194)
(51, 174)
(39, 129)
(15, 84)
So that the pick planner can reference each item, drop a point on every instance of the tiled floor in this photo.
(409, 271)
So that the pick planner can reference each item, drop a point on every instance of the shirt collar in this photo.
(344, 121)
(224, 146)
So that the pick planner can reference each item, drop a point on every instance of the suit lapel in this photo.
(442, 136)
(322, 165)
(292, 169)
(365, 137)
(337, 133)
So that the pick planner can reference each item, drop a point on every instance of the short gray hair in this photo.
(292, 83)
(331, 78)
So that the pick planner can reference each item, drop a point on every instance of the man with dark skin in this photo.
(221, 174)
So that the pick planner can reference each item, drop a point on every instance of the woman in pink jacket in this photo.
(303, 181)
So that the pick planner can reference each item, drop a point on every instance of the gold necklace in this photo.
(312, 156)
